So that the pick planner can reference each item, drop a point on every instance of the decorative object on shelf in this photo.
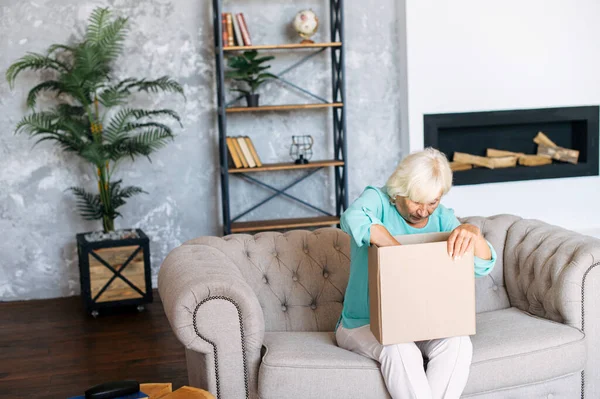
(82, 73)
(249, 69)
(306, 24)
(301, 149)
(242, 152)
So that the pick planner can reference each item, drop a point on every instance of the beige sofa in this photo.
(256, 315)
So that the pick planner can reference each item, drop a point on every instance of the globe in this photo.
(306, 24)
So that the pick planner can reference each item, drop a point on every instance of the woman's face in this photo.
(415, 212)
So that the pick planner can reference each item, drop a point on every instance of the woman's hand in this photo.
(464, 238)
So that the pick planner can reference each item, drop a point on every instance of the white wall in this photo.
(472, 55)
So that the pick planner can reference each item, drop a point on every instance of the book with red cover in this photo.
(244, 29)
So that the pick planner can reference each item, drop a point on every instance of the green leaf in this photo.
(116, 128)
(238, 62)
(55, 47)
(161, 84)
(263, 59)
(97, 23)
(113, 97)
(89, 205)
(48, 126)
(144, 143)
(95, 154)
(250, 54)
(36, 123)
(111, 38)
(237, 75)
(49, 85)
(35, 62)
(266, 76)
(135, 126)
(118, 194)
(70, 110)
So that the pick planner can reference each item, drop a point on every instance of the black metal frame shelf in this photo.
(279, 224)
(338, 163)
(287, 46)
(283, 107)
(288, 166)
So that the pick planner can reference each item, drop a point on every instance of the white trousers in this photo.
(402, 364)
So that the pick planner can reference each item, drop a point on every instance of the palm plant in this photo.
(90, 117)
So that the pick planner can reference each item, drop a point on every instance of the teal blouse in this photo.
(374, 207)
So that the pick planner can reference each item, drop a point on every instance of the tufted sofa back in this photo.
(490, 290)
(300, 277)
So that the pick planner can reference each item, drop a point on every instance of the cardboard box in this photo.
(418, 292)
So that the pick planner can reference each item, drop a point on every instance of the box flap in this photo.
(409, 239)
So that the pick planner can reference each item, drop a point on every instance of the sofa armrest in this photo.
(216, 315)
(555, 273)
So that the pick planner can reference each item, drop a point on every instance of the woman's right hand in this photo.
(381, 237)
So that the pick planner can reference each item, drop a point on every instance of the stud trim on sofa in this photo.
(215, 351)
(583, 319)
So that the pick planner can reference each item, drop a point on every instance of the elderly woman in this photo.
(409, 203)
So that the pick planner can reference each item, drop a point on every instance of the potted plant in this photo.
(90, 118)
(248, 68)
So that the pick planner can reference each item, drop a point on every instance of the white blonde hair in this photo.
(421, 176)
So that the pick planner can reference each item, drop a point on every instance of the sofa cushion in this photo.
(311, 365)
(511, 348)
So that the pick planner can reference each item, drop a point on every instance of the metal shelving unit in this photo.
(335, 106)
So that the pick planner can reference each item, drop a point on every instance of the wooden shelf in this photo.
(283, 107)
(280, 224)
(283, 46)
(288, 166)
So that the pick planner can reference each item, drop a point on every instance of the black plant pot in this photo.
(252, 100)
(115, 273)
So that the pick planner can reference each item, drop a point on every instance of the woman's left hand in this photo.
(462, 239)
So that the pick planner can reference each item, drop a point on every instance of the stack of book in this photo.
(235, 30)
(242, 153)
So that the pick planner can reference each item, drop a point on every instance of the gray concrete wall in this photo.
(38, 224)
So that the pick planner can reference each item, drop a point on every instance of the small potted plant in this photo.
(248, 68)
(90, 118)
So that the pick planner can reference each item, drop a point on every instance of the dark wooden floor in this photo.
(53, 349)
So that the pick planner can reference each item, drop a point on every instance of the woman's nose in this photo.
(422, 213)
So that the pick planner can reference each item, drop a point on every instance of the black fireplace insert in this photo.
(473, 132)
